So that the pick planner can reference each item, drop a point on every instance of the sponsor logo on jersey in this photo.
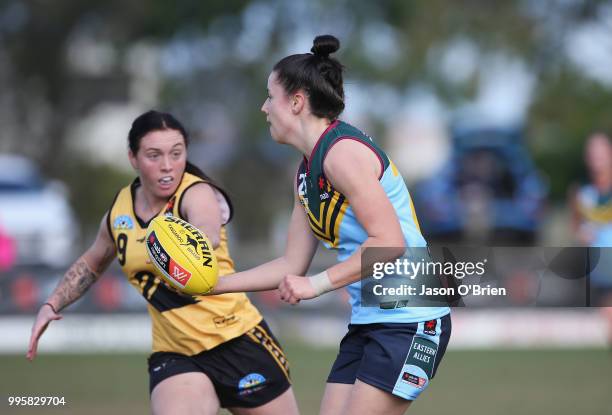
(429, 327)
(170, 206)
(415, 380)
(160, 367)
(251, 383)
(224, 321)
(323, 184)
(123, 222)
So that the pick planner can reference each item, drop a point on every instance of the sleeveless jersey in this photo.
(596, 209)
(334, 223)
(181, 324)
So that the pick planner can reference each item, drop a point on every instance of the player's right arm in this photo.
(76, 281)
(300, 249)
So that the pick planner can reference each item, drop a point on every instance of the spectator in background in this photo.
(8, 252)
(592, 202)
(592, 218)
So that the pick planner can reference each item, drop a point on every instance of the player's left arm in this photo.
(354, 170)
(200, 207)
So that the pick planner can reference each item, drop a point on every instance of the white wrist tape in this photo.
(321, 283)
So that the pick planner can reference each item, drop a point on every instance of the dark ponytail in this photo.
(319, 75)
(325, 45)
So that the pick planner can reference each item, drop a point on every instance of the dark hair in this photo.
(158, 121)
(317, 74)
(153, 121)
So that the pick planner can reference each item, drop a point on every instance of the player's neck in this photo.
(603, 182)
(149, 204)
(310, 132)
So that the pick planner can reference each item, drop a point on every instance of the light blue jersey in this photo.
(333, 221)
(596, 211)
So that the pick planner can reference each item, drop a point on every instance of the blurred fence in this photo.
(111, 316)
(24, 289)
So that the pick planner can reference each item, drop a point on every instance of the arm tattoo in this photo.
(107, 258)
(75, 283)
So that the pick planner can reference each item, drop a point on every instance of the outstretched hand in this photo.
(294, 288)
(44, 317)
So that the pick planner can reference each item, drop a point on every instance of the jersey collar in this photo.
(308, 161)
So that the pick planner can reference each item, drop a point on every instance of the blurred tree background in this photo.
(74, 74)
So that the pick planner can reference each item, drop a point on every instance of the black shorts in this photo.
(247, 372)
(399, 358)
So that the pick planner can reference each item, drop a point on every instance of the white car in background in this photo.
(36, 214)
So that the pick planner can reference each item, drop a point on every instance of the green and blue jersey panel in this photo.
(333, 221)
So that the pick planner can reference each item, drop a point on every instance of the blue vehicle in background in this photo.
(489, 191)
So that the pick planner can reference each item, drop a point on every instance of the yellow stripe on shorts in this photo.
(259, 335)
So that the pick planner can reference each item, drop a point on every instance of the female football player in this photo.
(349, 195)
(208, 352)
(591, 207)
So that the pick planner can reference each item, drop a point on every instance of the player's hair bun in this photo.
(324, 45)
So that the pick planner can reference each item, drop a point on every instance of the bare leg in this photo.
(186, 394)
(335, 398)
(607, 315)
(368, 400)
(285, 404)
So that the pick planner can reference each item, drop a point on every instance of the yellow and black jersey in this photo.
(181, 324)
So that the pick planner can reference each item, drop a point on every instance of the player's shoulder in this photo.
(351, 129)
(193, 177)
(203, 193)
(123, 199)
(350, 157)
(198, 190)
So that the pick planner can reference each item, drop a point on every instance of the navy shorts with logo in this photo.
(247, 372)
(400, 358)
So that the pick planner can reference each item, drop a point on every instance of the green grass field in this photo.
(514, 382)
